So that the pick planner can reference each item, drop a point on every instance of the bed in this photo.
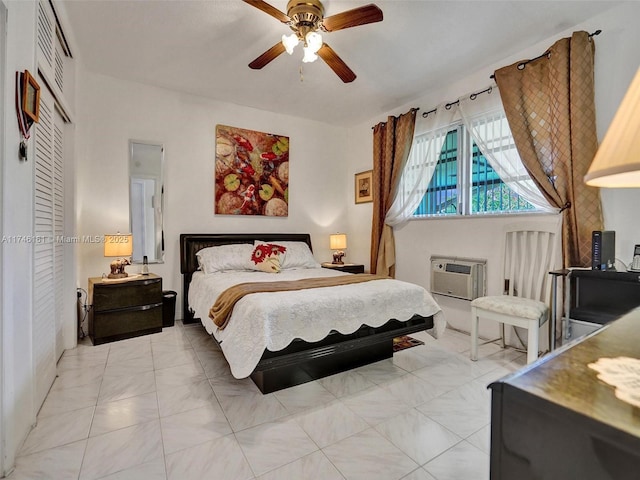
(331, 340)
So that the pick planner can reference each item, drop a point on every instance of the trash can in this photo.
(168, 308)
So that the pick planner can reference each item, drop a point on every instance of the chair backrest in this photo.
(530, 254)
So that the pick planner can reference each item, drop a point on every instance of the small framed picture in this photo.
(30, 96)
(364, 187)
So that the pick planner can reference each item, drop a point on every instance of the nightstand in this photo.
(345, 267)
(124, 308)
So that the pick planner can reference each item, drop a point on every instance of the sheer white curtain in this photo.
(485, 120)
(422, 161)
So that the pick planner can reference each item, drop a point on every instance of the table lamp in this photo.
(118, 245)
(338, 242)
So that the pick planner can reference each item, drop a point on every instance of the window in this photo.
(489, 194)
(463, 181)
(465, 163)
(441, 197)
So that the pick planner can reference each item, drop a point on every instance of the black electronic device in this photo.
(635, 263)
(603, 250)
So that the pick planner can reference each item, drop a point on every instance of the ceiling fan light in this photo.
(313, 41)
(290, 42)
(309, 55)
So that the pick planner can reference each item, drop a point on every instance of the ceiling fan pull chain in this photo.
(301, 75)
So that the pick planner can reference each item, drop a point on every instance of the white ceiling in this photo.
(203, 48)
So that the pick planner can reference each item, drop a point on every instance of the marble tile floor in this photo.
(164, 406)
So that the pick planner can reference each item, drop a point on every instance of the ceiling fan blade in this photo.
(267, 56)
(269, 9)
(352, 18)
(336, 64)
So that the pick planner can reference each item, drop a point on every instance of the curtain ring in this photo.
(449, 105)
(473, 96)
(426, 114)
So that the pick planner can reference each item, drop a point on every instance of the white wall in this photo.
(324, 160)
(111, 111)
(17, 196)
(617, 58)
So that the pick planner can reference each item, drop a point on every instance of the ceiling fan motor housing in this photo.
(305, 15)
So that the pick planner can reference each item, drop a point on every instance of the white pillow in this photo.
(224, 258)
(298, 255)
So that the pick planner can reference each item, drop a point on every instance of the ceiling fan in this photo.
(306, 19)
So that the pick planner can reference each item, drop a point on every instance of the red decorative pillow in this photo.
(266, 257)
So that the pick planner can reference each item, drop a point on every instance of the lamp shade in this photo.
(118, 245)
(314, 41)
(290, 42)
(617, 161)
(338, 241)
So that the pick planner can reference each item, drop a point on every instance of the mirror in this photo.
(146, 192)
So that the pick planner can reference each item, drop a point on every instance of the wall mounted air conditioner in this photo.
(458, 277)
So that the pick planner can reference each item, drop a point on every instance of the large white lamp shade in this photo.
(617, 161)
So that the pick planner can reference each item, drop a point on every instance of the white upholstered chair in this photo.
(529, 256)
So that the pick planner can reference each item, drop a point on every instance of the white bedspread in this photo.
(272, 320)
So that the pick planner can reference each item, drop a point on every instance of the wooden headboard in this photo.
(192, 243)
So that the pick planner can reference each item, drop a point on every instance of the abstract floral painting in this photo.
(252, 173)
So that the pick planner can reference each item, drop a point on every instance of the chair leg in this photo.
(533, 332)
(474, 334)
(502, 337)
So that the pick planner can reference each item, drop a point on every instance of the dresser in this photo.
(124, 308)
(554, 419)
(597, 297)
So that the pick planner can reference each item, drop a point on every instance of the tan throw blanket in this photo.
(221, 310)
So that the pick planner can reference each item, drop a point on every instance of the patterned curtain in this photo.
(391, 146)
(550, 106)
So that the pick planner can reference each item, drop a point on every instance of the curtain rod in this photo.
(448, 106)
(413, 109)
(473, 96)
(547, 54)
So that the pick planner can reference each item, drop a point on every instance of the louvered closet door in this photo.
(48, 254)
(46, 34)
(51, 53)
(58, 227)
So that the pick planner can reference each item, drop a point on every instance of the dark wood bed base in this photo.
(301, 361)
